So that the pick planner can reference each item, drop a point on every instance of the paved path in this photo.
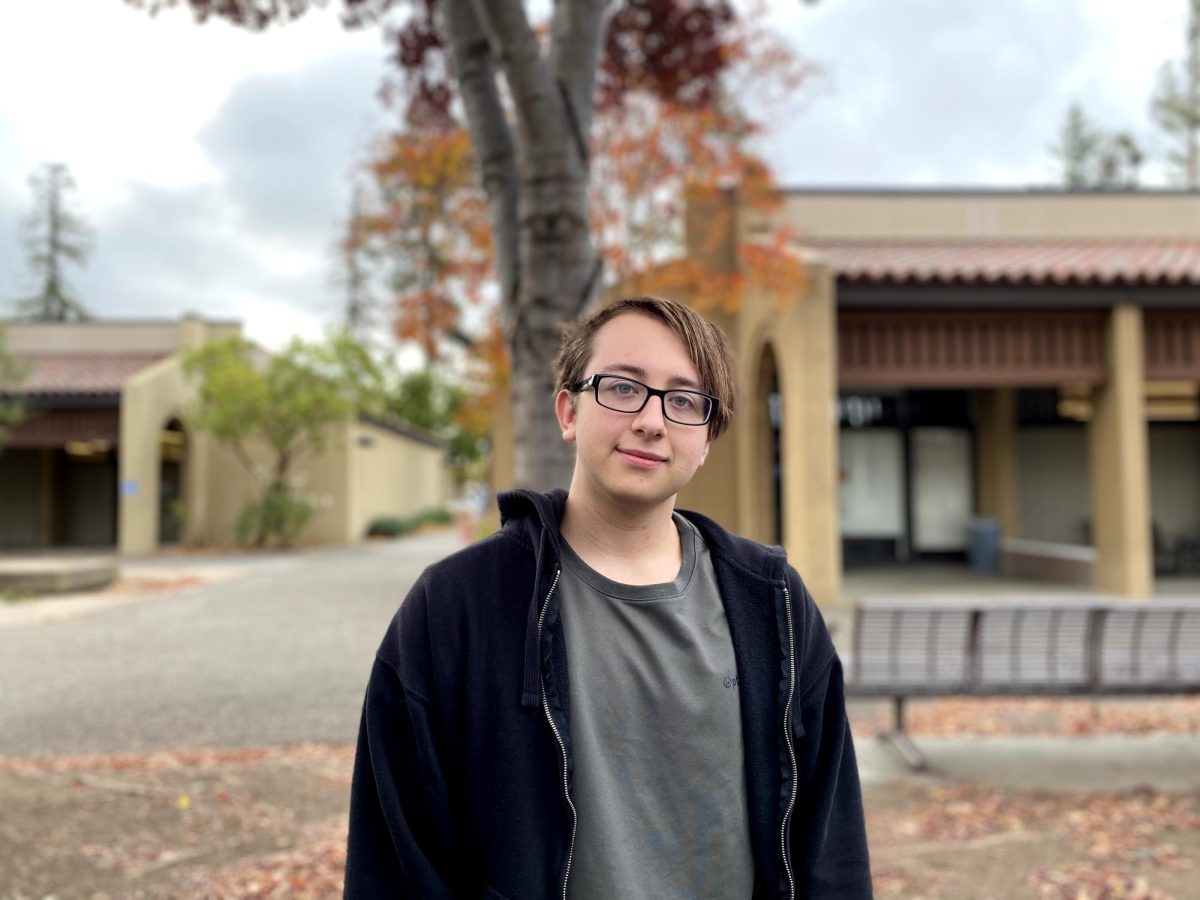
(1100, 763)
(277, 654)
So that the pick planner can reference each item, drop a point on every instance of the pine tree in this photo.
(1093, 158)
(54, 236)
(1175, 105)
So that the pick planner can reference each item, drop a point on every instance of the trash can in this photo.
(983, 545)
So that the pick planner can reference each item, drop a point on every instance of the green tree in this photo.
(1175, 106)
(1093, 157)
(285, 404)
(433, 402)
(55, 235)
(12, 405)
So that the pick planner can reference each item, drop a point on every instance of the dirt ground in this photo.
(271, 823)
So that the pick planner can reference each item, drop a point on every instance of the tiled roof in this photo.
(1027, 262)
(82, 373)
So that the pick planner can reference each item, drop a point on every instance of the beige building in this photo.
(1031, 357)
(105, 459)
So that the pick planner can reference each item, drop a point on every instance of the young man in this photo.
(609, 698)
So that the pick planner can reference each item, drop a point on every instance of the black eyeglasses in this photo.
(616, 392)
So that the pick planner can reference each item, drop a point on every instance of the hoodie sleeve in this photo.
(401, 832)
(828, 831)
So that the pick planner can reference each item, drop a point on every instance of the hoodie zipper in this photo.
(558, 737)
(787, 736)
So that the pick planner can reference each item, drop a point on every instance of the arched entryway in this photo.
(172, 453)
(767, 421)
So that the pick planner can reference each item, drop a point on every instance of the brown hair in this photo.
(706, 345)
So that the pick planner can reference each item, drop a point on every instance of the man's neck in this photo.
(629, 546)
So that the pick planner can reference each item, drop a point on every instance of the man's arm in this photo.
(401, 834)
(828, 833)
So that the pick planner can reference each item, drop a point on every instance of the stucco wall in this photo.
(896, 215)
(392, 475)
(228, 486)
(365, 471)
(149, 401)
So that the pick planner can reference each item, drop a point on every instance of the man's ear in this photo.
(564, 410)
(704, 455)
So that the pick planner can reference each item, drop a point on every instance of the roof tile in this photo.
(1029, 262)
(82, 373)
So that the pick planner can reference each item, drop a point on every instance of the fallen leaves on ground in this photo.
(252, 823)
(312, 870)
(147, 584)
(270, 823)
(938, 840)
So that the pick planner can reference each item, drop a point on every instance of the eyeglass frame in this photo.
(593, 382)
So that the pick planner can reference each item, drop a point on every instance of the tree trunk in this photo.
(535, 172)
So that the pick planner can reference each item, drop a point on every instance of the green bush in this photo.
(395, 526)
(281, 514)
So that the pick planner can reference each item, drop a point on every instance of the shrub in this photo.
(395, 526)
(281, 514)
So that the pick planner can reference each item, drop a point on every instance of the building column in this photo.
(1117, 444)
(808, 441)
(996, 486)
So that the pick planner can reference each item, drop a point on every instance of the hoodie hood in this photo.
(533, 510)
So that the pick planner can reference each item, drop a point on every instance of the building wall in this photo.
(149, 401)
(228, 486)
(1031, 214)
(392, 475)
(350, 483)
(1175, 479)
(25, 338)
(1055, 494)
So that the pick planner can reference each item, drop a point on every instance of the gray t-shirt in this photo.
(656, 735)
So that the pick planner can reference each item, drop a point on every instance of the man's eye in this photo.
(622, 387)
(683, 401)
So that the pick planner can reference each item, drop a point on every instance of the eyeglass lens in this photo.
(626, 395)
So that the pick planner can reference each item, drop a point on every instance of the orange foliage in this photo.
(428, 218)
(653, 158)
(488, 369)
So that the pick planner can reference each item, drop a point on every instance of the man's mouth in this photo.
(642, 457)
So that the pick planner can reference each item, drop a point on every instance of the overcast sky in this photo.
(214, 164)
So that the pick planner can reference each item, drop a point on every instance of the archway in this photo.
(172, 453)
(766, 518)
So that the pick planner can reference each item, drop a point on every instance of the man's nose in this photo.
(652, 417)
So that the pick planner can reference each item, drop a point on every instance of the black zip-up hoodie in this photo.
(463, 768)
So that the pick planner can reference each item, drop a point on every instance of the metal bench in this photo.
(1054, 646)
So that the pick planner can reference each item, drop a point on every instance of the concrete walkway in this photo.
(277, 654)
(1166, 763)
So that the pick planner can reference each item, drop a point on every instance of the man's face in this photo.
(640, 459)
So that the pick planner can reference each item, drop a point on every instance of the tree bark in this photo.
(537, 195)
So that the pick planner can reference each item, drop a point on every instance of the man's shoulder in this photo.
(755, 558)
(506, 554)
(476, 587)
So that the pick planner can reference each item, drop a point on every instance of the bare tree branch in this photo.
(491, 137)
(575, 59)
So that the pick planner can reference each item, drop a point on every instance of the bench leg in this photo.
(900, 741)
